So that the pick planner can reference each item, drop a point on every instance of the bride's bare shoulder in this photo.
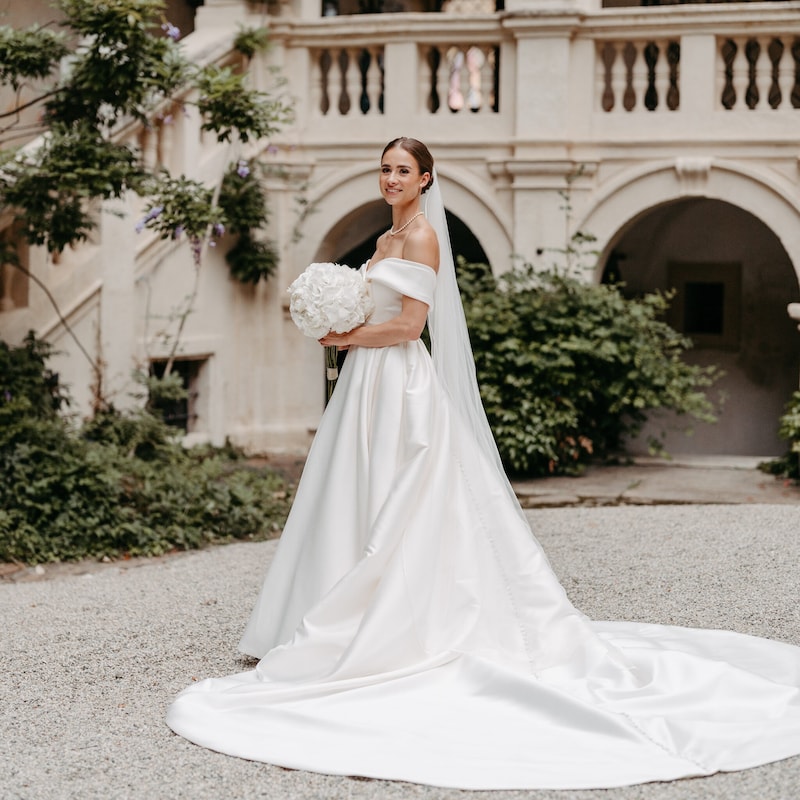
(422, 246)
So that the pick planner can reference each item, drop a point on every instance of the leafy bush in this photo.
(567, 369)
(789, 429)
(25, 382)
(122, 485)
(243, 199)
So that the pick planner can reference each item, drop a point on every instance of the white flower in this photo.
(329, 297)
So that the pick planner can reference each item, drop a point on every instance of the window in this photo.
(181, 413)
(707, 305)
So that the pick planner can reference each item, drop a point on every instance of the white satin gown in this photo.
(411, 628)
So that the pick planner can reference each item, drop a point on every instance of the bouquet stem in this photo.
(331, 368)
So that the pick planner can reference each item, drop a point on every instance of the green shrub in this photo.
(568, 369)
(789, 429)
(121, 486)
(25, 382)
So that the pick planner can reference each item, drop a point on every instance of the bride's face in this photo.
(400, 178)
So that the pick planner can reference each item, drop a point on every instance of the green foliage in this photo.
(250, 41)
(789, 428)
(567, 369)
(181, 206)
(121, 486)
(26, 383)
(73, 165)
(250, 259)
(30, 53)
(229, 106)
(120, 68)
(243, 198)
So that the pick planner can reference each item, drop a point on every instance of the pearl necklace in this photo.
(393, 232)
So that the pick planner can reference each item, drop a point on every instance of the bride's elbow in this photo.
(412, 331)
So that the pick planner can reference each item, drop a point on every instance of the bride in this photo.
(410, 626)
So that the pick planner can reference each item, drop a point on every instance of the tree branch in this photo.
(15, 111)
(94, 364)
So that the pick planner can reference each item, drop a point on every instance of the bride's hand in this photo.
(332, 339)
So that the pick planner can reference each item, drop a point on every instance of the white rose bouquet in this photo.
(329, 297)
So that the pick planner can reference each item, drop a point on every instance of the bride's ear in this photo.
(426, 179)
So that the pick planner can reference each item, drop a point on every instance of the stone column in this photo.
(117, 334)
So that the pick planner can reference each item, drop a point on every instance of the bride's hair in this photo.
(420, 153)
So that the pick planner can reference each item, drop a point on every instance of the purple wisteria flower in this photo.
(219, 229)
(272, 149)
(176, 234)
(242, 170)
(172, 31)
(154, 212)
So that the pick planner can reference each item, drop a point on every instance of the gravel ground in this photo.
(89, 663)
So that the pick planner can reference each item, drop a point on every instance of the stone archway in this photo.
(341, 224)
(344, 231)
(733, 279)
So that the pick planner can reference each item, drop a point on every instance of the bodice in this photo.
(391, 279)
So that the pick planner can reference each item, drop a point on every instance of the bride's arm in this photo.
(405, 327)
(420, 246)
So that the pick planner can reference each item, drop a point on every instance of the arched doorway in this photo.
(366, 224)
(733, 280)
(463, 241)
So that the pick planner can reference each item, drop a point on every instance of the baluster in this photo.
(443, 78)
(786, 74)
(741, 73)
(793, 100)
(605, 55)
(339, 66)
(636, 91)
(475, 61)
(619, 81)
(763, 73)
(662, 76)
(673, 57)
(456, 89)
(352, 78)
(724, 80)
(315, 90)
(374, 81)
(487, 80)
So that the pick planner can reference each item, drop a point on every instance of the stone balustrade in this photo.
(679, 73)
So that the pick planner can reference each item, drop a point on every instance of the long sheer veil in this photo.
(450, 345)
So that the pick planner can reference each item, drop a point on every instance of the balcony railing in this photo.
(620, 72)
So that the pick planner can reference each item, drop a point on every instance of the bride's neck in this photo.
(401, 215)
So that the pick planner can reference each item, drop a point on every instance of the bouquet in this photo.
(329, 297)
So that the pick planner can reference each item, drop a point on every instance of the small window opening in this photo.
(704, 308)
(180, 413)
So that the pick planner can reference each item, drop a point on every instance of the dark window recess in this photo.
(704, 306)
(178, 413)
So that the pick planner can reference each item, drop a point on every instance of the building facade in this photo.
(667, 132)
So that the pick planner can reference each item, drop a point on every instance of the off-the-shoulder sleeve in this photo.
(407, 277)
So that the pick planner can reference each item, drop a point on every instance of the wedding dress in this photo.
(411, 628)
